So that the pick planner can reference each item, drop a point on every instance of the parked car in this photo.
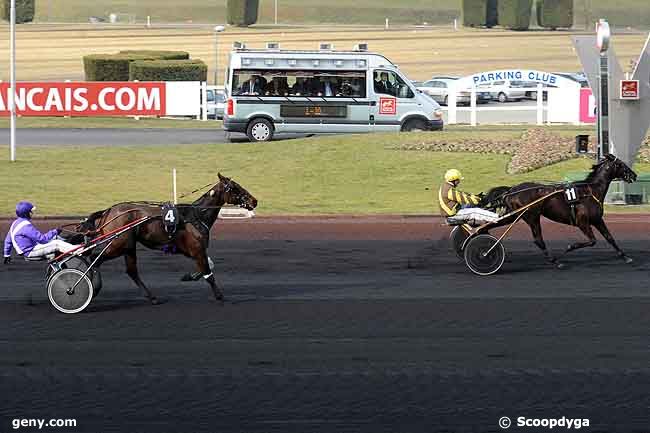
(216, 102)
(438, 89)
(579, 77)
(505, 91)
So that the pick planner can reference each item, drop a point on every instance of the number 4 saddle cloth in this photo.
(171, 218)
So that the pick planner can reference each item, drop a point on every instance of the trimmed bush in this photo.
(168, 70)
(555, 13)
(479, 13)
(242, 13)
(492, 18)
(474, 13)
(24, 10)
(110, 67)
(161, 55)
(515, 14)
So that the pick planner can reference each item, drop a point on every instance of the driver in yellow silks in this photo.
(460, 207)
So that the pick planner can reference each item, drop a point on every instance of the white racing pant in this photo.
(50, 249)
(474, 216)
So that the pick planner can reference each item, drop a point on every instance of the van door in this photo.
(393, 100)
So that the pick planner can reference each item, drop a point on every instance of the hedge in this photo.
(168, 70)
(24, 10)
(110, 67)
(474, 13)
(555, 13)
(515, 14)
(161, 55)
(492, 13)
(242, 13)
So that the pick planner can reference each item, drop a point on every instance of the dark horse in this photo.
(190, 239)
(576, 203)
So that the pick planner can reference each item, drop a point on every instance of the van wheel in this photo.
(259, 130)
(414, 125)
(503, 97)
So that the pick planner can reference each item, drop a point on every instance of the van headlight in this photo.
(437, 113)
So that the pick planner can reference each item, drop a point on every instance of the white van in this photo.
(278, 91)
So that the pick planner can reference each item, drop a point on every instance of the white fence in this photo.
(562, 105)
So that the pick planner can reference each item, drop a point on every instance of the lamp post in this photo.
(12, 79)
(217, 30)
(602, 42)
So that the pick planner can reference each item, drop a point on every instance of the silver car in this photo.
(505, 91)
(216, 102)
(438, 89)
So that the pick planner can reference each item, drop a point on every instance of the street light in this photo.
(217, 30)
(12, 79)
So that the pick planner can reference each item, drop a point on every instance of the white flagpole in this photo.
(174, 187)
(12, 78)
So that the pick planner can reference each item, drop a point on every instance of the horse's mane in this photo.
(594, 170)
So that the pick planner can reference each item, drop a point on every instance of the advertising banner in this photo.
(102, 98)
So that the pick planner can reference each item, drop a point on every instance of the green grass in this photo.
(336, 174)
(624, 12)
(107, 122)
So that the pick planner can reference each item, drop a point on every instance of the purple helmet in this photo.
(23, 209)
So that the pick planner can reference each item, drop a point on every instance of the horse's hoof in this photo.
(560, 265)
(154, 301)
(627, 259)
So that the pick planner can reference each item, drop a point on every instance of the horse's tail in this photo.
(495, 198)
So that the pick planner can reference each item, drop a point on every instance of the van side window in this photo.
(389, 83)
(319, 84)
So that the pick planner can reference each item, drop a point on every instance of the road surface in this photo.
(370, 324)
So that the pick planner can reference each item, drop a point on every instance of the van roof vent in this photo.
(361, 47)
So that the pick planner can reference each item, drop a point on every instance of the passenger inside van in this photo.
(300, 88)
(383, 85)
(253, 86)
(277, 87)
(328, 87)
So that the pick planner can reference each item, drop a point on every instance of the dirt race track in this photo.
(339, 325)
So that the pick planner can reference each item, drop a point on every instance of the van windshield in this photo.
(334, 84)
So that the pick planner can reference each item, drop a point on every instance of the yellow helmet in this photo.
(452, 175)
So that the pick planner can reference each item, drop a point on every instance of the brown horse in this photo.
(576, 203)
(190, 238)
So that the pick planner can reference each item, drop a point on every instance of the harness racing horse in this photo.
(190, 238)
(576, 203)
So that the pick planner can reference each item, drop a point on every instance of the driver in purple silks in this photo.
(28, 241)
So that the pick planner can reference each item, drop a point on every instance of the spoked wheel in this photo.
(81, 264)
(458, 236)
(484, 255)
(69, 290)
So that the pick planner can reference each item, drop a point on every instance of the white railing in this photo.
(562, 105)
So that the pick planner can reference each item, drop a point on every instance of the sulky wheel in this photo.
(478, 259)
(69, 290)
(81, 264)
(458, 236)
